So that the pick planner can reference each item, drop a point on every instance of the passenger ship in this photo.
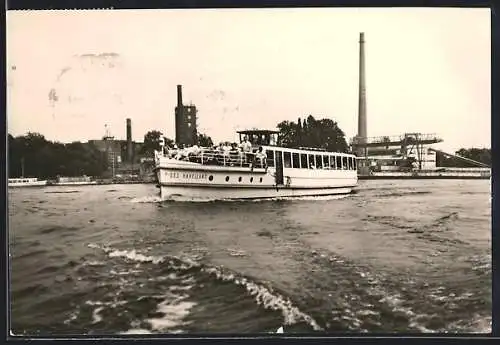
(287, 172)
(26, 182)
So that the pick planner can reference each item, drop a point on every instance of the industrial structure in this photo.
(391, 155)
(362, 130)
(130, 147)
(185, 121)
(122, 155)
(399, 153)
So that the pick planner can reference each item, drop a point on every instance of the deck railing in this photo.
(227, 159)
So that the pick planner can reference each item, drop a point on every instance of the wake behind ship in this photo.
(257, 168)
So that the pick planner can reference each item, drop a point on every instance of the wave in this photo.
(264, 296)
(171, 315)
(477, 324)
(449, 217)
(58, 228)
(392, 221)
(134, 331)
(381, 301)
(63, 192)
(392, 194)
(146, 199)
(181, 199)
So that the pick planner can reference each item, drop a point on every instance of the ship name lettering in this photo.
(194, 176)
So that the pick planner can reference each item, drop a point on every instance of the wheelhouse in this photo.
(259, 137)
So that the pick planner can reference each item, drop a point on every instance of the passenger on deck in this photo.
(260, 157)
(222, 153)
(210, 155)
(182, 154)
(165, 149)
(246, 146)
(226, 148)
(193, 150)
(231, 154)
(272, 140)
(173, 152)
(234, 147)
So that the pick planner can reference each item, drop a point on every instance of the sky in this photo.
(71, 73)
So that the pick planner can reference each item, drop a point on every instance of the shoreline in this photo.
(422, 177)
(83, 184)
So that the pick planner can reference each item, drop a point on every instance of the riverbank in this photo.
(442, 173)
(423, 177)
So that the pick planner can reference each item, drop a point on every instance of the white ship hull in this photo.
(192, 180)
(223, 193)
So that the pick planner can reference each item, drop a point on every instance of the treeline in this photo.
(479, 155)
(32, 155)
(323, 133)
(46, 159)
(41, 158)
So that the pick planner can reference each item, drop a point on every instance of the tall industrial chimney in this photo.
(179, 95)
(362, 132)
(130, 152)
(179, 116)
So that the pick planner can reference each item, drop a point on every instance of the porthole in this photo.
(261, 180)
(239, 179)
(210, 178)
(227, 178)
(251, 179)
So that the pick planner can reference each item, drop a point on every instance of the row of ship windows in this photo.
(240, 179)
(311, 161)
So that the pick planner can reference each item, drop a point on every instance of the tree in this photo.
(480, 155)
(289, 134)
(313, 133)
(46, 159)
(151, 142)
(204, 140)
(168, 142)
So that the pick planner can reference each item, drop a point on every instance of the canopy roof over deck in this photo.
(258, 131)
(260, 136)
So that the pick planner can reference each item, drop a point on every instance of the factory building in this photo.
(122, 155)
(185, 121)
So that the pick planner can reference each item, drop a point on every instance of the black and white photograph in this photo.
(273, 171)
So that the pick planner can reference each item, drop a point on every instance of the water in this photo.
(397, 256)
